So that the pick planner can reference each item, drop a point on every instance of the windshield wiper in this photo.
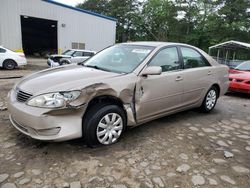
(97, 67)
(104, 69)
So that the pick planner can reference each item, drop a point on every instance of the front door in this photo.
(159, 94)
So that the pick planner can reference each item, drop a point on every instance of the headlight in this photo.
(54, 100)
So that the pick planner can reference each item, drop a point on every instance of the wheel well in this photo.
(217, 87)
(105, 99)
(10, 60)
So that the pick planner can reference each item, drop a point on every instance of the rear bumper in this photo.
(22, 62)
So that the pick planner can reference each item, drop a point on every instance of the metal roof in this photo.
(81, 10)
(231, 45)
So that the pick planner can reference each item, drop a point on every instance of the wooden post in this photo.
(218, 55)
(226, 58)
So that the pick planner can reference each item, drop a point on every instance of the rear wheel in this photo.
(9, 64)
(103, 124)
(210, 99)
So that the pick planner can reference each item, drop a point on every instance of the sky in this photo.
(69, 2)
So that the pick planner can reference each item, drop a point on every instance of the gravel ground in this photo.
(188, 149)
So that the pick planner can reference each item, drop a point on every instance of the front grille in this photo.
(237, 80)
(22, 96)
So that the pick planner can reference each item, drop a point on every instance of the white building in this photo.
(44, 25)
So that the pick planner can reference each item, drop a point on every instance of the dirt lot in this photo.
(189, 149)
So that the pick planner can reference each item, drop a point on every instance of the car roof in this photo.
(80, 50)
(155, 43)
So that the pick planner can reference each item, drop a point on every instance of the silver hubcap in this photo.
(10, 65)
(211, 99)
(109, 129)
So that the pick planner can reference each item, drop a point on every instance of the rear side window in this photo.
(88, 54)
(167, 59)
(192, 58)
(2, 50)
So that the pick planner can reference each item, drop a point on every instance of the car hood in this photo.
(63, 78)
(235, 71)
(240, 75)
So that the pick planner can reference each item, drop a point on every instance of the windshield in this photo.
(68, 52)
(122, 58)
(245, 66)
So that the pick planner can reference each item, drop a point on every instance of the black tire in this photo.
(9, 64)
(94, 115)
(206, 106)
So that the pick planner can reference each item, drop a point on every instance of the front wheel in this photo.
(103, 125)
(210, 99)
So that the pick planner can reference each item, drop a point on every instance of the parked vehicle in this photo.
(240, 78)
(10, 60)
(69, 56)
(124, 85)
(244, 67)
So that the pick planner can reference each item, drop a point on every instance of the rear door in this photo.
(159, 94)
(197, 75)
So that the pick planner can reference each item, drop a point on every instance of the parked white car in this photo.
(69, 57)
(10, 60)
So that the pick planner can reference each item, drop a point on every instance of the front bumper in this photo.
(45, 124)
(239, 87)
(51, 63)
(21, 62)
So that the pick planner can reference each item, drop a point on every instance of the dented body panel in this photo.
(143, 98)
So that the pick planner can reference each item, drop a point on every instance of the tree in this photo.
(159, 19)
(201, 23)
(234, 20)
(124, 10)
(98, 6)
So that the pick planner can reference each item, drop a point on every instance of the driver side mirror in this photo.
(152, 70)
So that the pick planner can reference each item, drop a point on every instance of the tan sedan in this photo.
(124, 85)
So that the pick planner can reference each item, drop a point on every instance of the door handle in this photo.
(178, 78)
(209, 72)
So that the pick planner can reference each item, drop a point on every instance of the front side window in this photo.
(193, 59)
(123, 58)
(78, 54)
(2, 50)
(167, 59)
